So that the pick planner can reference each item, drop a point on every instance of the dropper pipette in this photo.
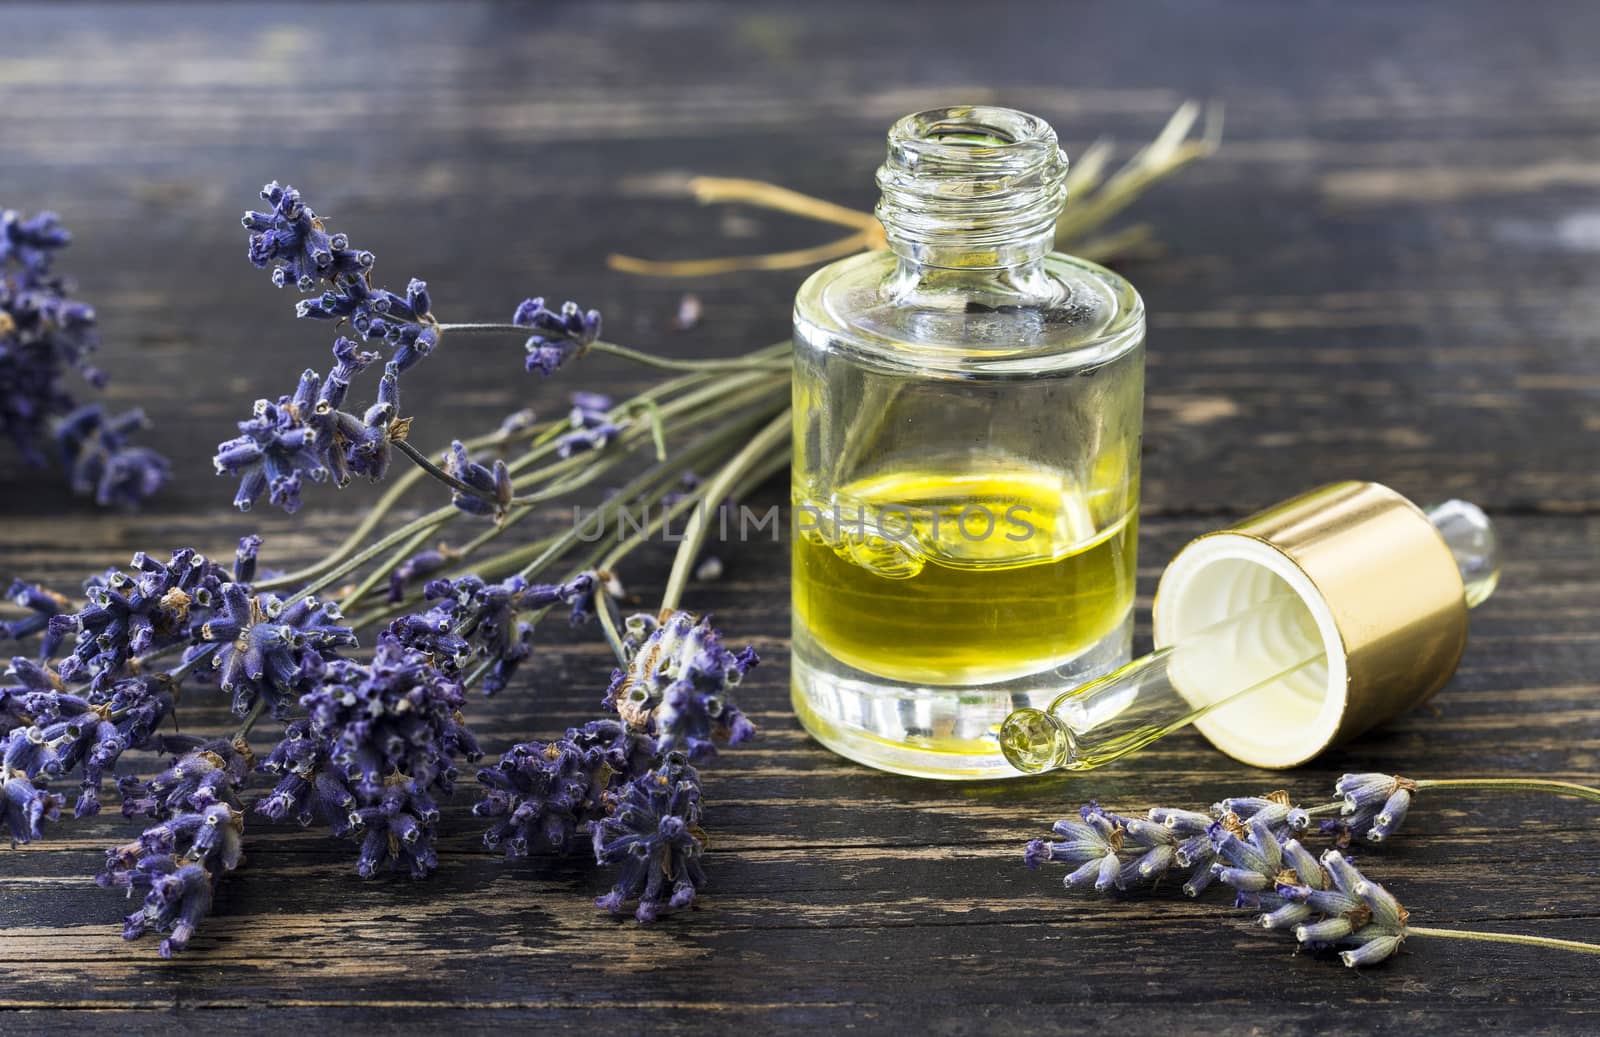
(1273, 643)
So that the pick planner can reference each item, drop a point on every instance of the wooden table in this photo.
(1389, 272)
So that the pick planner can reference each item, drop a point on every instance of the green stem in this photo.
(386, 503)
(250, 718)
(775, 432)
(746, 363)
(656, 478)
(1531, 941)
(668, 364)
(377, 576)
(542, 443)
(1559, 788)
(608, 625)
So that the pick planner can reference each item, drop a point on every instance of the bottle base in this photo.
(931, 732)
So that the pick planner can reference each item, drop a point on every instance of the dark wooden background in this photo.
(1389, 272)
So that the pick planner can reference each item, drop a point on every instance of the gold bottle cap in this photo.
(1384, 586)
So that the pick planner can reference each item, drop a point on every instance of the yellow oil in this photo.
(983, 576)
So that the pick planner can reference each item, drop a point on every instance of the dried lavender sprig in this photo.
(282, 443)
(198, 838)
(652, 833)
(1250, 845)
(44, 333)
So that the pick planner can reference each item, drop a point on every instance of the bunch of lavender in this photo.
(44, 333)
(1254, 846)
(369, 746)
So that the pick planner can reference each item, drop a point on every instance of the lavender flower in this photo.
(401, 321)
(31, 243)
(591, 425)
(102, 463)
(1373, 805)
(43, 334)
(156, 606)
(1133, 851)
(198, 837)
(67, 733)
(380, 742)
(653, 832)
(677, 684)
(43, 603)
(1096, 845)
(486, 616)
(1327, 903)
(1249, 844)
(423, 563)
(308, 789)
(627, 752)
(493, 486)
(293, 242)
(542, 795)
(557, 336)
(269, 649)
(24, 804)
(203, 770)
(276, 445)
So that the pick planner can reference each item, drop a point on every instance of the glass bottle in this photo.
(968, 410)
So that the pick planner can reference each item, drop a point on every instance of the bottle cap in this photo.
(1383, 585)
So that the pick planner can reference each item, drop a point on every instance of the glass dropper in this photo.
(1269, 641)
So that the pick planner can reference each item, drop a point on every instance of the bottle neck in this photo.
(971, 189)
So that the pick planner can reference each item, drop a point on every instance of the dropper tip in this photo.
(1470, 536)
(1034, 741)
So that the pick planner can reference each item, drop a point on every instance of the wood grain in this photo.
(1387, 273)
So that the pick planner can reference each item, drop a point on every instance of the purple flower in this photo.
(308, 790)
(175, 864)
(67, 733)
(380, 742)
(1364, 915)
(102, 463)
(276, 445)
(542, 795)
(292, 241)
(592, 427)
(24, 804)
(493, 485)
(244, 558)
(197, 838)
(652, 831)
(203, 771)
(308, 435)
(627, 752)
(558, 336)
(400, 831)
(423, 563)
(678, 684)
(401, 321)
(43, 603)
(43, 334)
(1372, 805)
(157, 605)
(1094, 845)
(31, 243)
(269, 649)
(489, 617)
